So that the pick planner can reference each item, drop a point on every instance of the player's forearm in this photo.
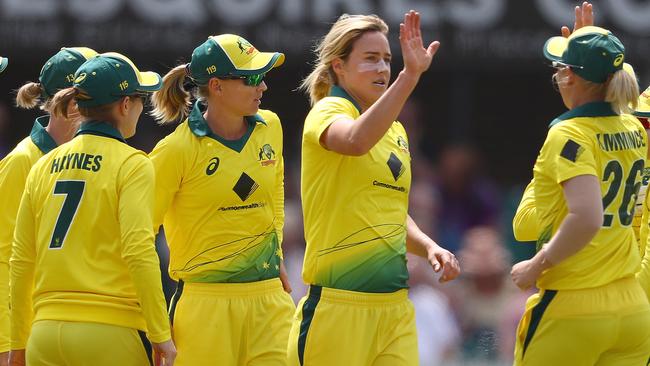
(278, 202)
(417, 242)
(644, 274)
(144, 268)
(370, 127)
(22, 277)
(4, 307)
(573, 235)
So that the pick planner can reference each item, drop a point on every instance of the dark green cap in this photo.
(58, 71)
(110, 76)
(230, 55)
(3, 63)
(592, 52)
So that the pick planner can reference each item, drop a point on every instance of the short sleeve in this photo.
(324, 113)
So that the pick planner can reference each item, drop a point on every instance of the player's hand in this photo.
(584, 16)
(4, 358)
(416, 58)
(443, 260)
(524, 274)
(284, 278)
(17, 357)
(164, 353)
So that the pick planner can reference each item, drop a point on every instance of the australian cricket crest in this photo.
(403, 145)
(267, 155)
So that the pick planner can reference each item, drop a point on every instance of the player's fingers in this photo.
(433, 48)
(416, 28)
(565, 32)
(587, 14)
(577, 23)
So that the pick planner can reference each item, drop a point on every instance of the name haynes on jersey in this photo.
(81, 161)
(623, 140)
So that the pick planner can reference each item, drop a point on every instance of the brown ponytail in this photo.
(61, 101)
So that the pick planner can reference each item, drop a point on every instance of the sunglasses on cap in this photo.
(250, 80)
(561, 65)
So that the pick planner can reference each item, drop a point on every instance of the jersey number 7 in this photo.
(73, 191)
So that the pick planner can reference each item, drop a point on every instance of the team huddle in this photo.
(79, 274)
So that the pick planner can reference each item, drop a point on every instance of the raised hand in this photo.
(416, 58)
(584, 16)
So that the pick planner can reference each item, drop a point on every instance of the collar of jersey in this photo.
(99, 128)
(337, 91)
(40, 137)
(199, 127)
(593, 109)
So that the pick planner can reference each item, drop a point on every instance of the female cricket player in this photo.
(220, 198)
(356, 177)
(589, 310)
(47, 133)
(84, 271)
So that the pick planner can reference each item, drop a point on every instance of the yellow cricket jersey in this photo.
(221, 201)
(592, 140)
(13, 173)
(354, 207)
(83, 248)
(525, 225)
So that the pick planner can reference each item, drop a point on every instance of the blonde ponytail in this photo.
(172, 102)
(337, 44)
(623, 92)
(29, 95)
(318, 83)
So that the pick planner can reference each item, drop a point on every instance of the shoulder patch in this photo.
(571, 150)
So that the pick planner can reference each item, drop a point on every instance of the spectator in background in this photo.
(465, 198)
(485, 300)
(438, 331)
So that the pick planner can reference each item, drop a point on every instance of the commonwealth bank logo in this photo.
(245, 186)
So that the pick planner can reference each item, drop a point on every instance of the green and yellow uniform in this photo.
(592, 292)
(355, 211)
(13, 174)
(221, 203)
(83, 249)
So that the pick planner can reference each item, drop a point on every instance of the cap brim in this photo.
(555, 47)
(262, 63)
(149, 81)
(643, 108)
(3, 63)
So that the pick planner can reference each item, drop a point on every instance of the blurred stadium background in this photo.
(475, 122)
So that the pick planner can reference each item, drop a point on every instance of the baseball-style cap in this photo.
(3, 63)
(643, 109)
(111, 76)
(58, 71)
(592, 52)
(230, 55)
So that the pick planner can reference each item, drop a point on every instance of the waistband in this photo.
(358, 298)
(233, 289)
